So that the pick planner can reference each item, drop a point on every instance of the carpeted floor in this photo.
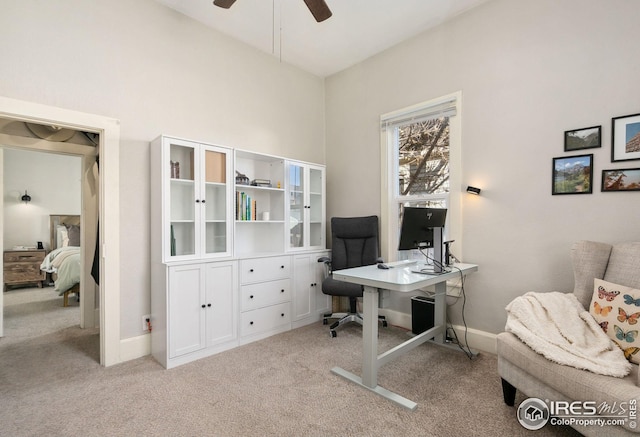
(51, 384)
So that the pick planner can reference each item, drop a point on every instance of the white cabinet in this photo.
(309, 303)
(198, 317)
(191, 193)
(235, 237)
(306, 206)
(265, 295)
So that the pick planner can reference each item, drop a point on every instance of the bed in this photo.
(63, 261)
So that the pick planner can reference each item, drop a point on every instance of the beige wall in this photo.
(52, 181)
(157, 72)
(528, 71)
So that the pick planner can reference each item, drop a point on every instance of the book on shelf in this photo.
(246, 207)
(261, 182)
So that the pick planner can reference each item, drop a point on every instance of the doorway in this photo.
(108, 131)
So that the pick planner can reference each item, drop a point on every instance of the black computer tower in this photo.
(422, 314)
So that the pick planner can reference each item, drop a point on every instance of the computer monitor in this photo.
(422, 229)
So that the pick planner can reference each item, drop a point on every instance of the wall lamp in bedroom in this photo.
(473, 190)
(26, 198)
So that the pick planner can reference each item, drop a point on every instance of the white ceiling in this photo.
(357, 30)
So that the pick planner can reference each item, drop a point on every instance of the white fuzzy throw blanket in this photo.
(557, 326)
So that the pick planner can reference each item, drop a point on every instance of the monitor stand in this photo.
(438, 264)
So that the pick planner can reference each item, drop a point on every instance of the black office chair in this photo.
(354, 243)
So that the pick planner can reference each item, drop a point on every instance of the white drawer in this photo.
(264, 319)
(265, 269)
(264, 294)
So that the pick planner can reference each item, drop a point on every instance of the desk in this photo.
(399, 278)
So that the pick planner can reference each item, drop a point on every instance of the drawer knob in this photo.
(282, 291)
(208, 304)
(250, 270)
(282, 267)
(282, 315)
(251, 323)
(203, 306)
(251, 297)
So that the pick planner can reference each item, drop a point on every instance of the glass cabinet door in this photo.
(306, 206)
(215, 201)
(316, 207)
(198, 200)
(182, 191)
(296, 206)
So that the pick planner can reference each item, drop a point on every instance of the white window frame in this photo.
(390, 197)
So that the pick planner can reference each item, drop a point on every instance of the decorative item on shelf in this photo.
(175, 170)
(473, 190)
(261, 183)
(26, 198)
(241, 179)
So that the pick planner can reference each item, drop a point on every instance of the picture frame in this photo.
(572, 175)
(625, 138)
(620, 179)
(584, 138)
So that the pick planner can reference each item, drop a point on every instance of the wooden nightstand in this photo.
(23, 267)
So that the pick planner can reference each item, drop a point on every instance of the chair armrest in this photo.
(379, 260)
(324, 259)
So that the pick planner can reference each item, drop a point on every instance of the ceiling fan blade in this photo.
(226, 4)
(319, 9)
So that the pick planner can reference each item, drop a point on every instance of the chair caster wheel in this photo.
(325, 322)
(334, 334)
(384, 324)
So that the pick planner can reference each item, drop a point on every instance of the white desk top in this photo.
(400, 276)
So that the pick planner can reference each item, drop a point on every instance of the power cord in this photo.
(467, 351)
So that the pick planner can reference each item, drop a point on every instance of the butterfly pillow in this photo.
(617, 309)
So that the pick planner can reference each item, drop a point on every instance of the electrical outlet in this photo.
(145, 326)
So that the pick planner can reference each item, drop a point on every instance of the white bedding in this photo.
(65, 262)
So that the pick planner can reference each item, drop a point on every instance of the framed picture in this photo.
(625, 138)
(572, 175)
(621, 179)
(585, 138)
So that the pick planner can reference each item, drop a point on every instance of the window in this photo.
(421, 163)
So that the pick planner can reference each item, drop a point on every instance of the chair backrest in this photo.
(354, 241)
(618, 263)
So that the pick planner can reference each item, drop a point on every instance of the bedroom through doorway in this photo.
(58, 173)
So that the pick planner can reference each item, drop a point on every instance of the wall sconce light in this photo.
(473, 190)
(26, 198)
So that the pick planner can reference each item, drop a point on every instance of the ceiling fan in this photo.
(318, 8)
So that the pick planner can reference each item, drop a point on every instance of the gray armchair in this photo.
(354, 243)
(523, 369)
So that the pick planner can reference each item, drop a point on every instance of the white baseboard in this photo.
(478, 340)
(135, 347)
(140, 346)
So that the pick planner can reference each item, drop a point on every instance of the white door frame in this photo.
(109, 215)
